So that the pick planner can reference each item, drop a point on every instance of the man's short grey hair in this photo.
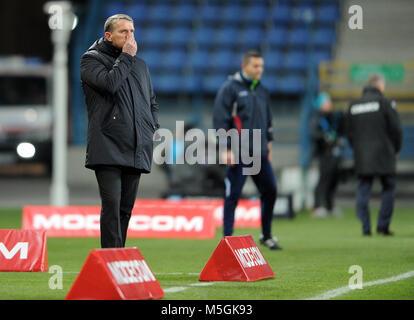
(375, 79)
(110, 22)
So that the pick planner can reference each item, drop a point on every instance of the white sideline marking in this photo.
(340, 291)
(178, 289)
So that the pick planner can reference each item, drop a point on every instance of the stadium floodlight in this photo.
(61, 23)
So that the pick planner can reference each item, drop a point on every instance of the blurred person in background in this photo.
(122, 118)
(327, 134)
(243, 103)
(374, 132)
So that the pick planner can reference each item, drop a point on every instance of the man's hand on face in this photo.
(130, 46)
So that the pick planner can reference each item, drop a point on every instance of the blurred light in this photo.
(30, 115)
(26, 150)
(75, 21)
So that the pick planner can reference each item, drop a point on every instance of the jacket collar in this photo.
(106, 46)
(372, 90)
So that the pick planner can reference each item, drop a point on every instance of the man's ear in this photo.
(108, 36)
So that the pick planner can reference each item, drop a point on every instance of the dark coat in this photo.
(327, 131)
(237, 106)
(374, 132)
(122, 109)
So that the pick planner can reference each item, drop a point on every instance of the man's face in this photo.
(327, 106)
(122, 29)
(254, 67)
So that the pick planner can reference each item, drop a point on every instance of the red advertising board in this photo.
(23, 250)
(115, 274)
(150, 219)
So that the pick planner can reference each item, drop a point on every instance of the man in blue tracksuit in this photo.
(243, 103)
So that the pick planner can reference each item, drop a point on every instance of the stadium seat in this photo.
(184, 14)
(291, 85)
(319, 56)
(324, 38)
(327, 14)
(226, 37)
(204, 37)
(276, 37)
(251, 37)
(273, 61)
(281, 15)
(152, 58)
(303, 14)
(295, 61)
(191, 83)
(112, 8)
(169, 83)
(256, 14)
(269, 81)
(223, 60)
(160, 13)
(178, 37)
(174, 60)
(299, 37)
(213, 82)
(138, 12)
(198, 60)
(154, 36)
(231, 14)
(209, 13)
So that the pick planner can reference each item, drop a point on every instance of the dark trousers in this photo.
(328, 181)
(118, 189)
(387, 201)
(265, 183)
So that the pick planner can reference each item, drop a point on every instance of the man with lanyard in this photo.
(243, 103)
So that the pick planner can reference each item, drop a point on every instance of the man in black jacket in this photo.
(374, 131)
(122, 118)
(243, 103)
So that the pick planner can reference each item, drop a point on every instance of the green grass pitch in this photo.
(316, 257)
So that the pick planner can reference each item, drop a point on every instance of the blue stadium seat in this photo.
(138, 12)
(213, 82)
(209, 13)
(407, 150)
(178, 36)
(174, 60)
(303, 14)
(152, 58)
(256, 14)
(269, 81)
(276, 37)
(328, 14)
(295, 61)
(191, 83)
(160, 13)
(324, 37)
(184, 14)
(154, 36)
(291, 85)
(319, 56)
(198, 60)
(231, 14)
(112, 8)
(223, 60)
(252, 36)
(227, 37)
(299, 37)
(169, 83)
(273, 61)
(204, 37)
(281, 14)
